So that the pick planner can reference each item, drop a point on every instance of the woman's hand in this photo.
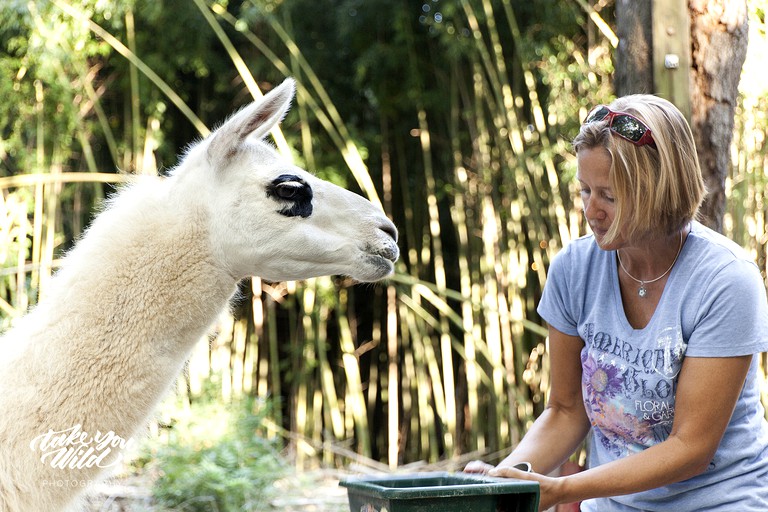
(478, 467)
(549, 488)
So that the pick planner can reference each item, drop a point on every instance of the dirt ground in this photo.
(315, 490)
(307, 491)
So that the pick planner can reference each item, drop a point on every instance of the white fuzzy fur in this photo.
(152, 273)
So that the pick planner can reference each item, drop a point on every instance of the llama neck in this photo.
(149, 274)
(131, 301)
(107, 341)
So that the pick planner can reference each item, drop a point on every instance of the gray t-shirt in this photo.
(713, 305)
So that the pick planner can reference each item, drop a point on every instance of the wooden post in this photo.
(672, 52)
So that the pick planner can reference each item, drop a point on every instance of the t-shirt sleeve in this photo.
(557, 304)
(732, 318)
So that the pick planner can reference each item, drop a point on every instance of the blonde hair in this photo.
(657, 191)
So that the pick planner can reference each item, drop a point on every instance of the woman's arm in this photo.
(707, 391)
(559, 430)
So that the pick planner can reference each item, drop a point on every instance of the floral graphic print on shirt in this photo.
(629, 387)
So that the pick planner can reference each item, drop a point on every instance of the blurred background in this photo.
(454, 115)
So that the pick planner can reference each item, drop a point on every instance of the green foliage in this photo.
(217, 458)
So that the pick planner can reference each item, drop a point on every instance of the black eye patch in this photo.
(295, 192)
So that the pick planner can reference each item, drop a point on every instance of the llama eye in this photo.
(288, 190)
(295, 191)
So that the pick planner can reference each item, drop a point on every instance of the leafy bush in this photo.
(205, 467)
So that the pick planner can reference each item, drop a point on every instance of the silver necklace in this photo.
(643, 291)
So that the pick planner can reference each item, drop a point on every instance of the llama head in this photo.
(274, 220)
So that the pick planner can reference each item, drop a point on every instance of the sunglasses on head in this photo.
(624, 125)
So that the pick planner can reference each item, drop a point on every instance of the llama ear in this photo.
(255, 120)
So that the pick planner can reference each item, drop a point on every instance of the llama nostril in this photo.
(390, 230)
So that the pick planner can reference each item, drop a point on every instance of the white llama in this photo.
(144, 284)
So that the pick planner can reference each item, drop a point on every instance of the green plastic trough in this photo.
(441, 492)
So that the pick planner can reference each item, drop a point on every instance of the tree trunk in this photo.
(718, 50)
(634, 55)
(719, 47)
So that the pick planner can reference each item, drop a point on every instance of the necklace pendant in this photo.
(642, 291)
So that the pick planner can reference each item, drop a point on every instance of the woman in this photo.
(654, 321)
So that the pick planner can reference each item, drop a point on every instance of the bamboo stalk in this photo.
(355, 401)
(239, 343)
(419, 358)
(467, 311)
(52, 194)
(20, 290)
(37, 218)
(26, 180)
(492, 329)
(272, 362)
(393, 413)
(409, 428)
(307, 356)
(135, 121)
